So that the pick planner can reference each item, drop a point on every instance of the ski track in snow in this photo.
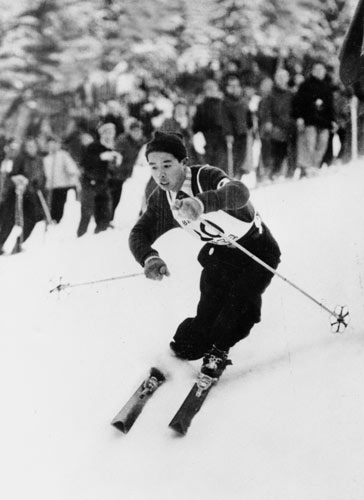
(285, 422)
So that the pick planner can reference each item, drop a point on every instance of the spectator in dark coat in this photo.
(276, 120)
(237, 121)
(208, 120)
(99, 158)
(313, 109)
(28, 176)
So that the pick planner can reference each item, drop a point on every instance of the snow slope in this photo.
(286, 420)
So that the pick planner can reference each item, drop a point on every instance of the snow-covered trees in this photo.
(55, 44)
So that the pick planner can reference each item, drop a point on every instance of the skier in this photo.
(231, 283)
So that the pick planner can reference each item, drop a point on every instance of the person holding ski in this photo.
(28, 184)
(204, 201)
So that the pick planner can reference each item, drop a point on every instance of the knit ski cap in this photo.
(167, 142)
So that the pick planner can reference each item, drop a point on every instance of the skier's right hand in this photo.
(155, 268)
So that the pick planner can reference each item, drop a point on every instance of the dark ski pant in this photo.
(32, 213)
(231, 287)
(95, 201)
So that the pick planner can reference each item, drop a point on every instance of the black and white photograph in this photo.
(182, 249)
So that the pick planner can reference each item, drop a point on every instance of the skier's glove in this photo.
(189, 208)
(155, 268)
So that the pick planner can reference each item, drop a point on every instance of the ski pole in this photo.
(45, 207)
(339, 317)
(63, 286)
(19, 219)
(230, 157)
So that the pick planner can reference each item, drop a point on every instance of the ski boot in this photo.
(215, 362)
(152, 383)
(213, 365)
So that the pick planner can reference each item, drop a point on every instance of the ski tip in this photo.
(179, 428)
(120, 426)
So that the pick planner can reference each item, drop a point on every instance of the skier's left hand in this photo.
(189, 208)
(155, 268)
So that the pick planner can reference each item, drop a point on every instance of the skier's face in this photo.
(168, 172)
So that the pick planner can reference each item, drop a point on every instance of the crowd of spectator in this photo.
(288, 119)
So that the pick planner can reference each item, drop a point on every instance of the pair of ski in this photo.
(180, 423)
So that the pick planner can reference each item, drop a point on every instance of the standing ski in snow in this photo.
(231, 283)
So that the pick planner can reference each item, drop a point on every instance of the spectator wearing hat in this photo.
(99, 160)
(276, 121)
(62, 174)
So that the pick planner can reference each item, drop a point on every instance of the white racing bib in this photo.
(225, 223)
